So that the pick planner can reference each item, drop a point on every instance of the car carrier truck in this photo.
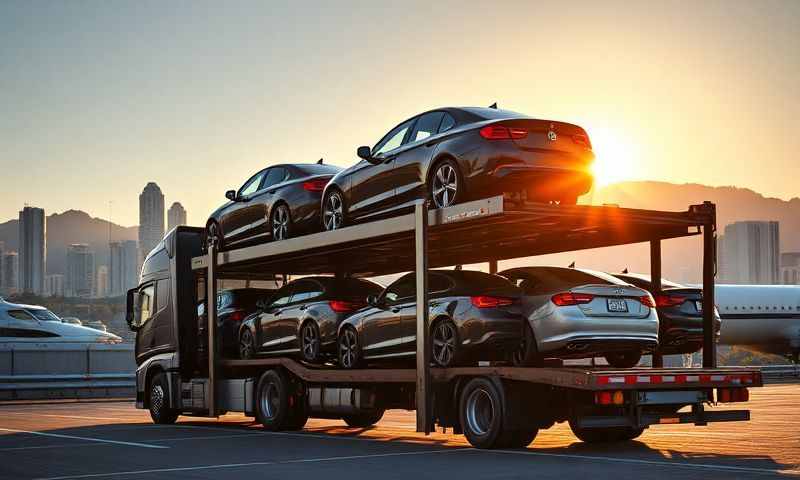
(181, 372)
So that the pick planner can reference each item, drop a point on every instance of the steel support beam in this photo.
(211, 327)
(423, 346)
(492, 266)
(709, 271)
(655, 280)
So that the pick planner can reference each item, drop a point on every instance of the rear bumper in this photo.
(645, 419)
(539, 182)
(590, 346)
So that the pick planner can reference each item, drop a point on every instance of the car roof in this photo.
(520, 271)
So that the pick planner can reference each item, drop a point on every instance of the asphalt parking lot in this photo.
(110, 439)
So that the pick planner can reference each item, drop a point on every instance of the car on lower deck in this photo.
(577, 313)
(302, 318)
(233, 306)
(680, 314)
(451, 155)
(473, 316)
(277, 203)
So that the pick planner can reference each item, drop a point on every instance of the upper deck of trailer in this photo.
(472, 232)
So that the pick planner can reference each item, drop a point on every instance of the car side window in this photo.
(392, 139)
(251, 186)
(20, 315)
(146, 304)
(438, 284)
(274, 176)
(426, 126)
(401, 291)
(306, 291)
(282, 297)
(448, 122)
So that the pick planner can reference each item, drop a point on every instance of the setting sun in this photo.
(616, 156)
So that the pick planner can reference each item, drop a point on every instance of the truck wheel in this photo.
(159, 401)
(298, 416)
(517, 438)
(480, 410)
(605, 435)
(624, 360)
(364, 419)
(272, 401)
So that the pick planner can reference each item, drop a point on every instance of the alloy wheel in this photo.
(280, 223)
(444, 343)
(445, 185)
(246, 347)
(348, 345)
(333, 214)
(310, 342)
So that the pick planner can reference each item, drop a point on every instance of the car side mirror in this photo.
(231, 195)
(372, 301)
(261, 305)
(366, 153)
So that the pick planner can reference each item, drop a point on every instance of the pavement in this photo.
(111, 439)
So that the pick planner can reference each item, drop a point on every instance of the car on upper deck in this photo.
(450, 155)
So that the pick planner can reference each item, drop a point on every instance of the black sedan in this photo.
(680, 314)
(450, 155)
(302, 318)
(473, 316)
(233, 305)
(276, 203)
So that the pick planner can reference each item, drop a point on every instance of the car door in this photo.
(273, 181)
(410, 163)
(269, 328)
(238, 215)
(381, 331)
(372, 186)
(303, 293)
(438, 286)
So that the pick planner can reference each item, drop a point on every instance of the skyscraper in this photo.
(9, 273)
(123, 267)
(101, 285)
(749, 253)
(151, 219)
(54, 285)
(80, 271)
(176, 215)
(31, 250)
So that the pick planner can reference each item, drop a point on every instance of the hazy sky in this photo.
(98, 98)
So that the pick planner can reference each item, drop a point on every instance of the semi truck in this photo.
(180, 370)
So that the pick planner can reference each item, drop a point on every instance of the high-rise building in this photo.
(790, 268)
(151, 219)
(32, 250)
(101, 285)
(176, 215)
(123, 267)
(9, 273)
(54, 285)
(748, 253)
(80, 271)
(2, 251)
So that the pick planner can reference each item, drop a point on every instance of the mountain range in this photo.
(681, 257)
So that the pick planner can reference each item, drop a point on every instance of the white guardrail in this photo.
(780, 373)
(66, 370)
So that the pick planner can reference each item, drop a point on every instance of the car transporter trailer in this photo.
(494, 406)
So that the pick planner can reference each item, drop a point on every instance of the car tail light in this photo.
(315, 185)
(343, 306)
(647, 301)
(669, 300)
(236, 316)
(500, 132)
(582, 140)
(568, 298)
(486, 301)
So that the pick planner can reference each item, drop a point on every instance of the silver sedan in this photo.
(577, 313)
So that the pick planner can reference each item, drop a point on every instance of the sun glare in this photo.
(616, 156)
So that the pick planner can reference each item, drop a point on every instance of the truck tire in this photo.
(364, 419)
(272, 402)
(517, 438)
(605, 435)
(298, 416)
(159, 400)
(480, 410)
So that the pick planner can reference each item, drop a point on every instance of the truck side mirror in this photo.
(132, 309)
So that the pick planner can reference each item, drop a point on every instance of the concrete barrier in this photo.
(66, 370)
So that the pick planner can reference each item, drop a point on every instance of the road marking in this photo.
(88, 439)
(70, 416)
(253, 464)
(707, 466)
(38, 447)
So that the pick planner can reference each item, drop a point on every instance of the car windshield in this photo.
(45, 315)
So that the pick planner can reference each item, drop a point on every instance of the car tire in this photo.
(445, 350)
(349, 348)
(247, 344)
(158, 392)
(527, 355)
(480, 411)
(272, 402)
(213, 230)
(334, 212)
(364, 419)
(309, 341)
(623, 359)
(605, 435)
(280, 222)
(445, 185)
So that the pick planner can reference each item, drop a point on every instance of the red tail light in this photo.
(582, 140)
(647, 301)
(486, 301)
(236, 316)
(500, 132)
(343, 306)
(315, 185)
(669, 300)
(569, 298)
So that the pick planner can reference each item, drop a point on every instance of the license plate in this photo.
(698, 305)
(617, 305)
